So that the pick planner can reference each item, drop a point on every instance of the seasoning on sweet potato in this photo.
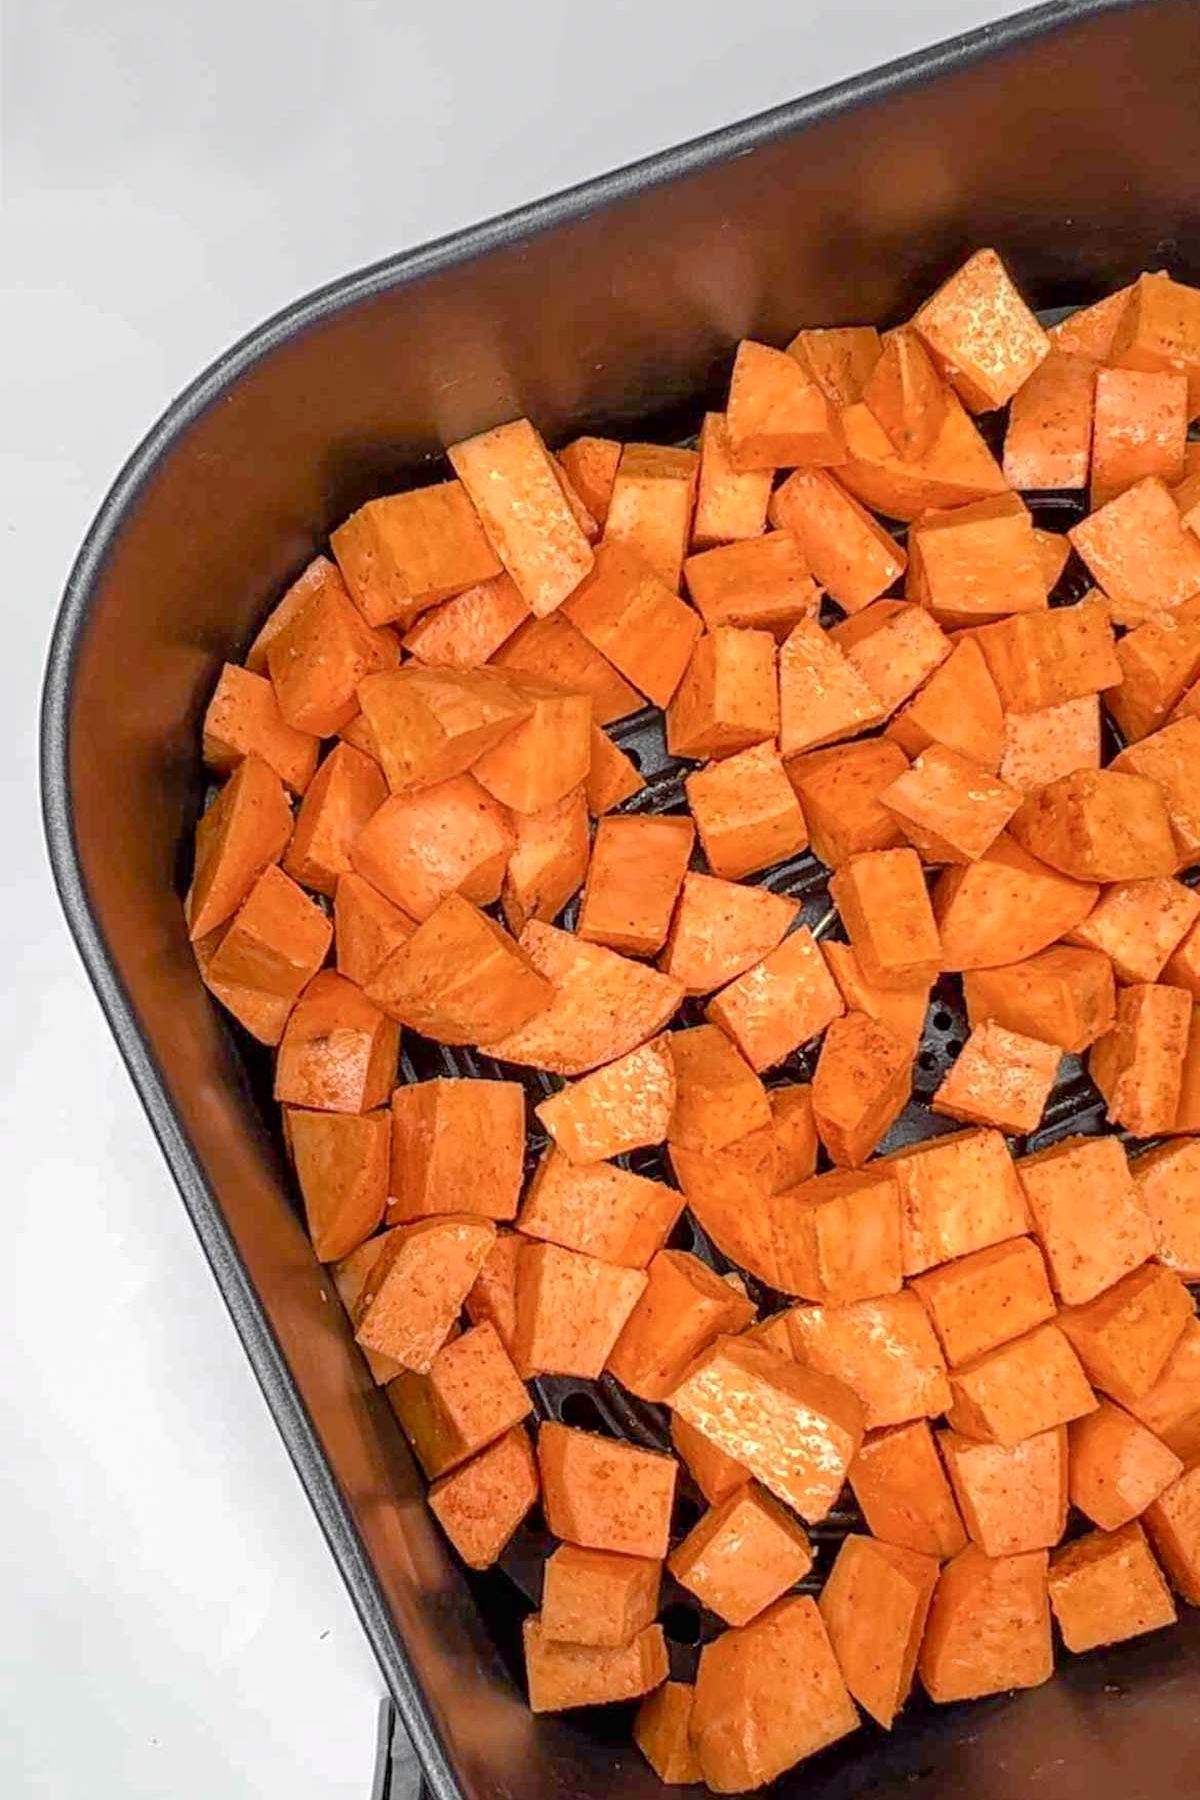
(1089, 330)
(1170, 1406)
(349, 1278)
(731, 503)
(561, 1676)
(629, 614)
(1167, 1181)
(839, 789)
(900, 1485)
(1171, 759)
(902, 1010)
(244, 829)
(547, 754)
(480, 1504)
(905, 393)
(980, 1301)
(981, 333)
(780, 1003)
(1159, 328)
(950, 809)
(822, 697)
(431, 724)
(1005, 907)
(958, 707)
(259, 962)
(552, 649)
(883, 1349)
(662, 1732)
(1117, 1466)
(634, 877)
(839, 358)
(978, 562)
(720, 929)
(1173, 1522)
(650, 506)
(1138, 924)
(860, 1087)
(405, 552)
(894, 646)
(338, 1050)
(884, 905)
(1086, 1214)
(1159, 662)
(746, 812)
(1048, 441)
(470, 1396)
(597, 1596)
(311, 580)
(604, 1494)
(763, 584)
(1030, 1384)
(1038, 660)
(846, 549)
(570, 1309)
(317, 659)
(612, 775)
(458, 1146)
(794, 1134)
(777, 416)
(1124, 1336)
(682, 1309)
(1000, 1078)
(513, 481)
(548, 861)
(874, 1604)
(1013, 1498)
(600, 1005)
(417, 1285)
(729, 696)
(465, 632)
(718, 1097)
(1040, 747)
(956, 469)
(1062, 996)
(1139, 552)
(341, 1162)
(460, 979)
(1099, 825)
(958, 1193)
(837, 1236)
(366, 928)
(729, 1193)
(624, 1106)
(1138, 1065)
(599, 1208)
(346, 791)
(742, 1555)
(493, 1293)
(1139, 429)
(450, 838)
(1106, 1588)
(988, 1628)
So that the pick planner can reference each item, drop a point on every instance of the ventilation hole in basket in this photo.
(942, 1021)
(954, 1045)
(927, 1061)
(681, 1623)
(579, 1408)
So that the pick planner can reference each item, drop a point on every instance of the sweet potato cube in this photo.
(1086, 1214)
(245, 828)
(742, 1555)
(981, 333)
(637, 868)
(1048, 441)
(768, 1695)
(466, 631)
(721, 929)
(682, 1309)
(730, 1193)
(514, 484)
(451, 838)
(417, 1285)
(318, 657)
(1140, 553)
(404, 552)
(874, 1604)
(1040, 747)
(460, 979)
(822, 697)
(470, 1396)
(764, 584)
(1138, 924)
(1159, 329)
(548, 862)
(358, 734)
(988, 1627)
(1117, 1466)
(1182, 968)
(591, 466)
(598, 1597)
(1028, 1385)
(1038, 660)
(837, 1236)
(1171, 759)
(349, 1278)
(905, 393)
(457, 1146)
(1099, 825)
(570, 1309)
(746, 812)
(958, 707)
(650, 506)
(1001, 1079)
(975, 563)
(546, 756)
(840, 790)
(715, 1474)
(1187, 1112)
(860, 1087)
(612, 775)
(338, 1050)
(319, 573)
(601, 1005)
(729, 696)
(1013, 1498)
(624, 1106)
(1062, 996)
(731, 503)
(1170, 1406)
(1054, 552)
(493, 1293)
(554, 650)
(839, 358)
(597, 1207)
(341, 1162)
(902, 1010)
(366, 928)
(980, 1301)
(885, 908)
(958, 1194)
(1124, 1336)
(1138, 1065)
(259, 962)
(780, 1003)
(1089, 330)
(662, 1732)
(894, 646)
(1139, 429)
(430, 724)
(480, 1504)
(1159, 662)
(1106, 1588)
(956, 469)
(900, 1485)
(777, 416)
(561, 1675)
(883, 1349)
(1173, 1522)
(847, 550)
(628, 613)
(343, 795)
(1005, 907)
(951, 810)
(794, 1428)
(1167, 1182)
(243, 719)
(718, 1097)
(603, 1494)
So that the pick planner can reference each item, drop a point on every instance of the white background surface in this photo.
(172, 1623)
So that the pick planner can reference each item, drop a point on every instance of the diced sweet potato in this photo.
(885, 908)
(980, 1301)
(902, 1010)
(1159, 329)
(591, 467)
(467, 631)
(730, 1193)
(460, 979)
(629, 614)
(822, 697)
(405, 552)
(958, 1194)
(548, 862)
(480, 1504)
(1048, 442)
(624, 1106)
(1025, 1386)
(1054, 552)
(905, 393)
(245, 828)
(764, 584)
(316, 576)
(601, 1005)
(662, 1732)
(1171, 759)
(341, 1162)
(570, 1309)
(650, 506)
(1062, 996)
(417, 1285)
(598, 1597)
(874, 1604)
(1138, 1065)
(1173, 1522)
(975, 563)
(603, 1494)
(777, 416)
(554, 650)
(1117, 1466)
(470, 1396)
(1182, 968)
(683, 1308)
(358, 734)
(894, 646)
(451, 838)
(746, 812)
(780, 1003)
(793, 1133)
(1099, 825)
(958, 707)
(513, 481)
(839, 358)
(1159, 661)
(718, 1097)
(742, 1555)
(1170, 1406)
(883, 1349)
(860, 1087)
(1005, 907)
(1038, 660)
(840, 790)
(546, 756)
(612, 775)
(729, 696)
(338, 1050)
(1139, 552)
(900, 1484)
(722, 928)
(633, 880)
(951, 810)
(955, 470)
(599, 1208)
(847, 550)
(367, 928)
(1086, 1214)
(1106, 1588)
(493, 1293)
(837, 1236)
(318, 657)
(561, 1676)
(1013, 1498)
(1167, 1182)
(981, 333)
(259, 962)
(346, 791)
(1187, 1112)
(457, 1146)
(1000, 1078)
(430, 724)
(715, 1474)
(1124, 1336)
(1139, 429)
(1138, 924)
(988, 1628)
(349, 1278)
(1040, 747)
(1089, 330)
(731, 503)
(243, 719)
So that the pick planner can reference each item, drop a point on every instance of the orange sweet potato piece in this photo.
(366, 928)
(466, 631)
(591, 467)
(662, 1732)
(599, 1208)
(1139, 552)
(315, 577)
(1170, 1406)
(731, 503)
(1013, 1498)
(460, 979)
(598, 1597)
(1040, 747)
(975, 563)
(742, 1555)
(839, 358)
(428, 725)
(1005, 907)
(650, 506)
(548, 862)
(729, 1192)
(746, 812)
(603, 1494)
(341, 1162)
(981, 333)
(900, 1485)
(458, 1146)
(480, 1504)
(1089, 330)
(1171, 758)
(822, 697)
(777, 416)
(1138, 1065)
(358, 734)
(405, 552)
(883, 1349)
(1000, 1079)
(1106, 1588)
(1139, 429)
(621, 1107)
(885, 908)
(980, 1301)
(1187, 1112)
(513, 481)
(612, 775)
(1048, 442)
(566, 1675)
(950, 809)
(637, 867)
(349, 1278)
(1030, 1384)
(958, 1193)
(955, 470)
(338, 1050)
(729, 696)
(570, 1309)
(795, 1134)
(902, 1010)
(1173, 1522)
(1054, 551)
(860, 1087)
(682, 1309)
(1043, 659)
(1125, 1335)
(1159, 328)
(894, 646)
(839, 789)
(722, 928)
(837, 1236)
(1117, 1466)
(763, 584)
(601, 1005)
(780, 1003)
(243, 719)
(1086, 1214)
(417, 1285)
(245, 828)
(906, 394)
(493, 1293)
(272, 947)
(342, 796)
(553, 650)
(546, 756)
(847, 550)
(1159, 662)
(715, 1474)
(470, 1396)
(1138, 924)
(1167, 1181)
(451, 838)
(874, 1604)
(1063, 996)
(958, 707)
(629, 614)
(768, 1695)
(718, 1097)
(318, 657)
(988, 1628)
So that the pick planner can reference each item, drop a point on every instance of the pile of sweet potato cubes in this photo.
(436, 698)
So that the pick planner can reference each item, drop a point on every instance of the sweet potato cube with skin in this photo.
(731, 503)
(590, 464)
(349, 1278)
(244, 829)
(1062, 996)
(729, 696)
(548, 862)
(561, 1676)
(894, 647)
(1089, 330)
(1000, 1079)
(570, 1309)
(338, 1050)
(1086, 1215)
(1099, 825)
(1138, 550)
(958, 1194)
(480, 1504)
(650, 506)
(598, 1597)
(1013, 1498)
(546, 756)
(839, 790)
(1158, 329)
(847, 550)
(430, 724)
(317, 659)
(267, 954)
(860, 1088)
(451, 838)
(466, 631)
(721, 929)
(988, 1628)
(1023, 1387)
(345, 793)
(901, 1487)
(603, 1494)
(746, 812)
(624, 1106)
(682, 1309)
(1040, 747)
(243, 719)
(767, 1696)
(599, 1208)
(1159, 662)
(1048, 441)
(1117, 1466)
(839, 358)
(366, 928)
(715, 1474)
(601, 1005)
(795, 1429)
(405, 552)
(742, 1555)
(906, 394)
(1006, 907)
(460, 979)
(980, 1301)
(612, 776)
(493, 1293)
(662, 1732)
(629, 614)
(956, 469)
(552, 649)
(958, 707)
(341, 1162)
(730, 1193)
(780, 1003)
(1137, 924)
(1170, 1406)
(470, 1396)
(1167, 1182)
(718, 1097)
(513, 482)
(975, 563)
(822, 697)
(883, 1349)
(777, 416)
(1106, 1588)
(634, 877)
(1138, 1065)
(1043, 659)
(417, 1285)
(874, 1605)
(457, 1147)
(885, 908)
(1124, 1336)
(763, 584)
(1171, 759)
(837, 1236)
(982, 335)
(1173, 1522)
(949, 809)
(902, 1010)
(1139, 429)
